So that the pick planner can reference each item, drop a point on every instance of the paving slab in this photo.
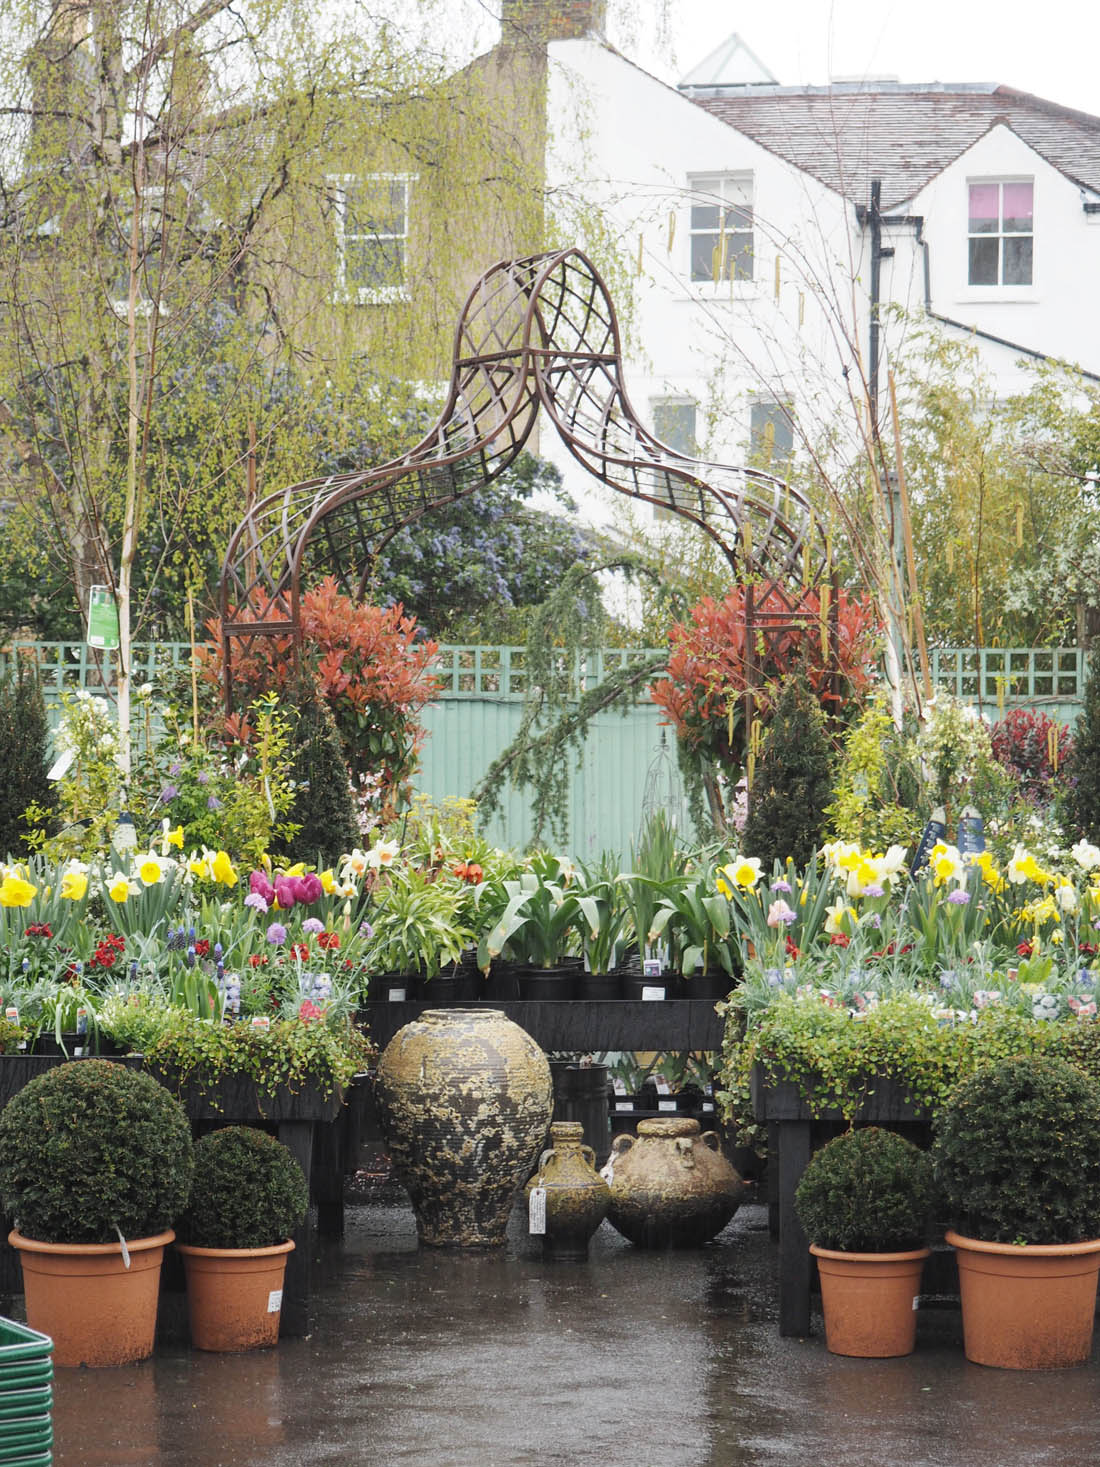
(630, 1359)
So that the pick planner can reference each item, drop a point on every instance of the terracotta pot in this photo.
(870, 1301)
(671, 1187)
(1029, 1307)
(234, 1295)
(95, 1309)
(464, 1099)
(577, 1197)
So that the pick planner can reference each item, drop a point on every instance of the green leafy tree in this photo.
(793, 781)
(1084, 795)
(24, 735)
(323, 810)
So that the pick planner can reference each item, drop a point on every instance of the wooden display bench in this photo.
(578, 1026)
(794, 1134)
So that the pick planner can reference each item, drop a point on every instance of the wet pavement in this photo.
(628, 1360)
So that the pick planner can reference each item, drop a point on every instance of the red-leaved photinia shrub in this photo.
(373, 673)
(702, 692)
(1024, 740)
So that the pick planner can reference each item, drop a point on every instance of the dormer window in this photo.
(1001, 232)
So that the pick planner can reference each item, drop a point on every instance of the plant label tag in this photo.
(651, 968)
(274, 1301)
(397, 995)
(536, 1211)
(662, 1085)
(618, 1084)
(708, 1107)
(623, 1106)
(666, 1105)
(60, 766)
(649, 993)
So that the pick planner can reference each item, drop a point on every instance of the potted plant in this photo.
(536, 926)
(247, 1197)
(1017, 1155)
(417, 932)
(605, 931)
(695, 917)
(865, 1200)
(95, 1166)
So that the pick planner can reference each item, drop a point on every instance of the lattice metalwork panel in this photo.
(537, 331)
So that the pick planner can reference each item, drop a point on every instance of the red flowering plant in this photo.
(374, 671)
(1035, 748)
(703, 690)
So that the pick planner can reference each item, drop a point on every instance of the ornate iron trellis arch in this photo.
(539, 331)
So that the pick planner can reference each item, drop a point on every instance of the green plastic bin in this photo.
(31, 1402)
(21, 1346)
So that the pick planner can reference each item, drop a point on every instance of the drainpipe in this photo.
(874, 219)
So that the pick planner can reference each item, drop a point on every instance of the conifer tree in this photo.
(793, 781)
(24, 737)
(323, 807)
(1084, 797)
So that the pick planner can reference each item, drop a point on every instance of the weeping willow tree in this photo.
(570, 625)
(234, 240)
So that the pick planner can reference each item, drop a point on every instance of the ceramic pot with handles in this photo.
(671, 1187)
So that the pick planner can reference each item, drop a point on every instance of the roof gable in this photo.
(903, 134)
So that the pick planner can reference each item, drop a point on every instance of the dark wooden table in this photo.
(580, 1026)
(794, 1133)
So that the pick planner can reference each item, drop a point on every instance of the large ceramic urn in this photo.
(671, 1187)
(464, 1100)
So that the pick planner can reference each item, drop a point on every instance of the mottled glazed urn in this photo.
(577, 1197)
(671, 1187)
(464, 1100)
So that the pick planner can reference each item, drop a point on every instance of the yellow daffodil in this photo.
(947, 865)
(328, 883)
(15, 891)
(150, 870)
(222, 869)
(119, 889)
(74, 884)
(199, 867)
(1024, 867)
(836, 918)
(174, 837)
(298, 869)
(990, 875)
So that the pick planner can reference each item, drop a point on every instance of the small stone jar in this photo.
(577, 1197)
(671, 1187)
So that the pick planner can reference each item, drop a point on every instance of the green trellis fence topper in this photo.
(480, 706)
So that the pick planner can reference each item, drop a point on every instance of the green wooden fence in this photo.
(481, 703)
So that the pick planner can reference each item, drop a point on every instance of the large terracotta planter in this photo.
(870, 1301)
(1027, 1307)
(671, 1187)
(464, 1100)
(234, 1295)
(96, 1310)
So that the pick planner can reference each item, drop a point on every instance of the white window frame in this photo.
(730, 191)
(368, 294)
(1000, 288)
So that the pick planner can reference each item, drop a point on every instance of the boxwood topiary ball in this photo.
(1017, 1153)
(248, 1191)
(868, 1191)
(91, 1147)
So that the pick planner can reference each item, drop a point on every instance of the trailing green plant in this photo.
(294, 1052)
(24, 737)
(91, 1151)
(1017, 1153)
(867, 1191)
(248, 1191)
(792, 782)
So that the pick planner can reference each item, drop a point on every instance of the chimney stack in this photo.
(534, 22)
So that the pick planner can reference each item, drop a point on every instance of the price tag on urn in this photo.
(536, 1211)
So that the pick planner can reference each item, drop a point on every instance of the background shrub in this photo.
(248, 1191)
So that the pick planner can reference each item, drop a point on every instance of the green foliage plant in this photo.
(875, 793)
(867, 1191)
(248, 1191)
(540, 920)
(1017, 1153)
(91, 1150)
(1084, 797)
(792, 783)
(417, 923)
(695, 917)
(24, 736)
(323, 814)
(605, 918)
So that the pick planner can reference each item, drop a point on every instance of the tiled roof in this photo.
(905, 134)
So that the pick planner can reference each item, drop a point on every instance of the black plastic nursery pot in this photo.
(597, 987)
(553, 984)
(636, 986)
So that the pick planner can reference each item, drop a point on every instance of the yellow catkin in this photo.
(671, 229)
